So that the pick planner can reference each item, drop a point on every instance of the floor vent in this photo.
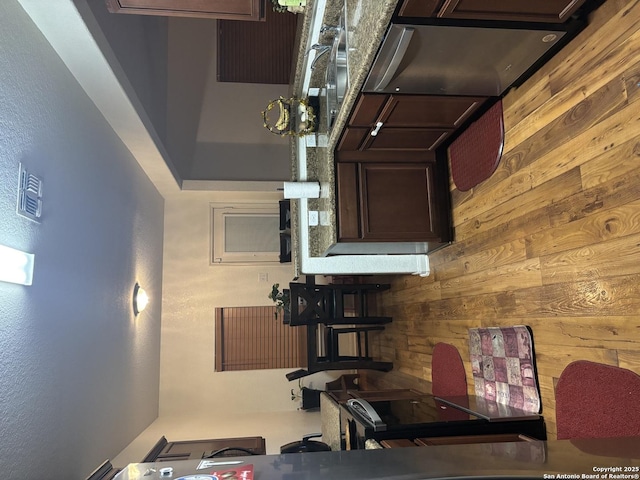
(29, 195)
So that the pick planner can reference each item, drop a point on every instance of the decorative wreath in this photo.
(289, 111)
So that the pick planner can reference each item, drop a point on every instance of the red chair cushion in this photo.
(476, 153)
(448, 377)
(597, 401)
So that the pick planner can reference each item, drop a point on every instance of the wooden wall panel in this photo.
(552, 239)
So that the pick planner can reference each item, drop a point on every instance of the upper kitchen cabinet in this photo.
(223, 9)
(547, 11)
(382, 125)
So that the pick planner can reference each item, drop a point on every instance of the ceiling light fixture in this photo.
(16, 266)
(140, 299)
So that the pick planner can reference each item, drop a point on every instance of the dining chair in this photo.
(448, 376)
(594, 400)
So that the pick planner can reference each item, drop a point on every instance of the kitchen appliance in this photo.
(460, 59)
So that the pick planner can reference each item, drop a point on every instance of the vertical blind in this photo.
(252, 338)
(257, 52)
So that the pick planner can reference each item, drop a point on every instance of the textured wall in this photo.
(79, 374)
(195, 401)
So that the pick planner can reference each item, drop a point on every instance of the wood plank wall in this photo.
(552, 239)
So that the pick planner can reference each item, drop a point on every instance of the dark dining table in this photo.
(489, 410)
(428, 416)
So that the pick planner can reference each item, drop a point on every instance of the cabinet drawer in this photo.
(390, 139)
(367, 109)
(353, 138)
(405, 139)
(549, 11)
(428, 111)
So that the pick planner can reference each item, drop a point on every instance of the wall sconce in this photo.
(16, 266)
(140, 299)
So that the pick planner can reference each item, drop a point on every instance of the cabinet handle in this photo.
(375, 131)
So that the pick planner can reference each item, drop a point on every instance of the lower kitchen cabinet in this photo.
(165, 451)
(404, 123)
(547, 11)
(419, 8)
(387, 202)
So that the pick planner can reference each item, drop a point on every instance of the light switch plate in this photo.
(313, 218)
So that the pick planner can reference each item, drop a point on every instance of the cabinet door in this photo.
(548, 11)
(397, 202)
(428, 111)
(367, 109)
(229, 9)
(405, 123)
(419, 8)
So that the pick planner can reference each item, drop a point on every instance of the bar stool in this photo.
(362, 338)
(326, 304)
(325, 354)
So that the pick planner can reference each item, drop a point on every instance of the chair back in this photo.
(503, 366)
(594, 400)
(448, 377)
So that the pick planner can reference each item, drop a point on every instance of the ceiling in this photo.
(151, 78)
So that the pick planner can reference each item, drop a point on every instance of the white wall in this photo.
(195, 401)
(193, 288)
(79, 375)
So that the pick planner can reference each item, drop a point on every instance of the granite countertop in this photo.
(366, 24)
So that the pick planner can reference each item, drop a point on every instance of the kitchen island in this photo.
(315, 249)
(583, 458)
(380, 149)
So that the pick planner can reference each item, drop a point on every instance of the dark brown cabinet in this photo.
(404, 123)
(387, 202)
(547, 11)
(391, 184)
(225, 9)
(419, 8)
(165, 451)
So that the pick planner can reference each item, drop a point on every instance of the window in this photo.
(252, 338)
(244, 233)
